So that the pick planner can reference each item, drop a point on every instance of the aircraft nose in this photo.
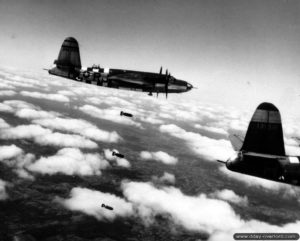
(189, 86)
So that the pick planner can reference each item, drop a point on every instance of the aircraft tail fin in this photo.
(68, 63)
(264, 134)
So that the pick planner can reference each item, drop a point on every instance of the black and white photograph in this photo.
(149, 120)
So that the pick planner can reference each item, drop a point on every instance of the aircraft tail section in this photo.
(264, 134)
(68, 63)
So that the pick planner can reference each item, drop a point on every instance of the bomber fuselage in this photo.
(276, 168)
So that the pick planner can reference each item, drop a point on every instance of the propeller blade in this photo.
(166, 88)
(160, 71)
(166, 72)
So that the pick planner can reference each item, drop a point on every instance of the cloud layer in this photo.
(206, 147)
(90, 202)
(159, 156)
(70, 161)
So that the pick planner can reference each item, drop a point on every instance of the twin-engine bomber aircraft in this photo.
(262, 153)
(68, 65)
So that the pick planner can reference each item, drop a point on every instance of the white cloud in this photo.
(196, 213)
(3, 124)
(230, 196)
(121, 162)
(3, 194)
(23, 81)
(165, 178)
(5, 85)
(7, 92)
(15, 158)
(39, 95)
(212, 129)
(70, 161)
(29, 113)
(191, 212)
(159, 156)
(209, 148)
(108, 114)
(6, 108)
(25, 110)
(54, 121)
(90, 201)
(66, 93)
(110, 101)
(9, 152)
(81, 127)
(19, 104)
(43, 136)
(152, 120)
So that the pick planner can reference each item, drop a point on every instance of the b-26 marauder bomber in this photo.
(262, 153)
(68, 65)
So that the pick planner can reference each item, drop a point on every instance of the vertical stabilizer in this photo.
(68, 63)
(69, 56)
(264, 134)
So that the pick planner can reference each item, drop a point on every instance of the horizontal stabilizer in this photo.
(236, 141)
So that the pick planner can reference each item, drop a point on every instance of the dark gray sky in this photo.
(231, 49)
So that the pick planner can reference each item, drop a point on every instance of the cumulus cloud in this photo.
(196, 213)
(15, 158)
(25, 110)
(216, 130)
(3, 194)
(19, 104)
(9, 152)
(230, 196)
(7, 92)
(39, 95)
(5, 85)
(121, 162)
(43, 136)
(6, 108)
(110, 101)
(81, 127)
(210, 149)
(108, 114)
(70, 161)
(28, 113)
(25, 81)
(90, 201)
(159, 156)
(152, 120)
(53, 120)
(165, 178)
(3, 124)
(191, 212)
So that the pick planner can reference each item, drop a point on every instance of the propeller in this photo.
(160, 71)
(167, 82)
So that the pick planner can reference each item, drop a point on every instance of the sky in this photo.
(237, 52)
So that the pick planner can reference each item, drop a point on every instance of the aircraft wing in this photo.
(236, 141)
